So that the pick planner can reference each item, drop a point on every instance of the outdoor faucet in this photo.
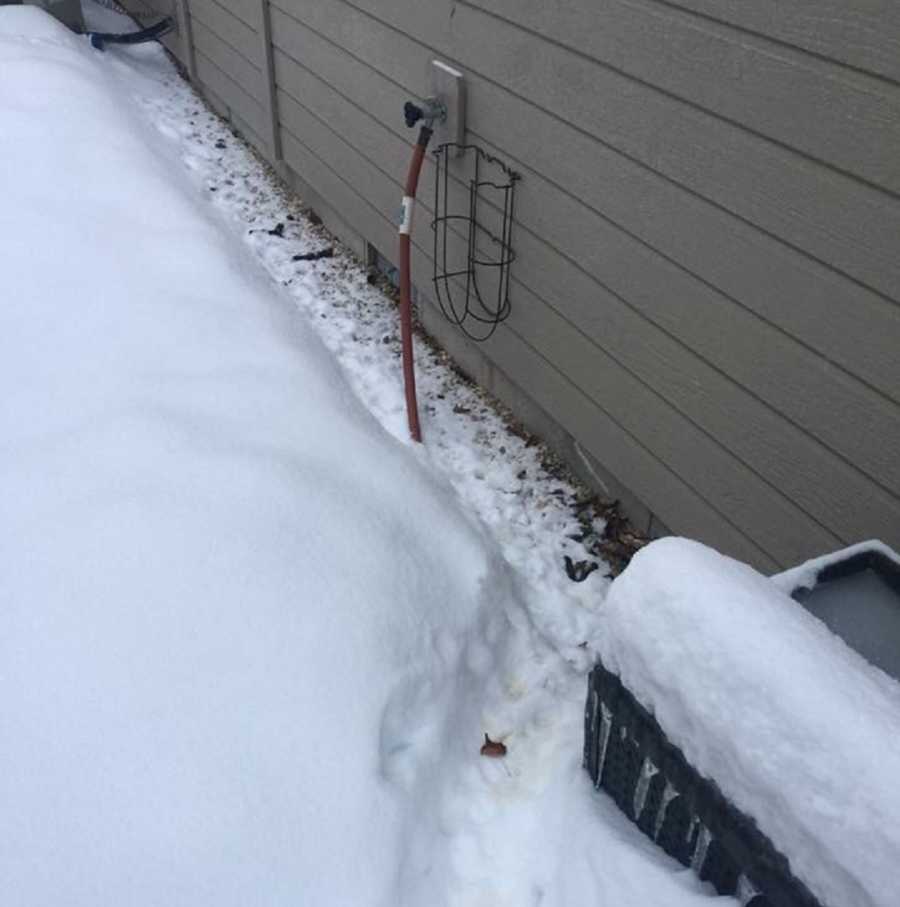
(430, 110)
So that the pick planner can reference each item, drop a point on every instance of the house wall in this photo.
(706, 299)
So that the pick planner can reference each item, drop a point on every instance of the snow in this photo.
(200, 519)
(796, 728)
(805, 575)
(251, 639)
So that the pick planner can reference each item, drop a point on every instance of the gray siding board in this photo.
(832, 217)
(835, 316)
(845, 415)
(218, 104)
(267, 57)
(863, 35)
(239, 69)
(238, 102)
(243, 51)
(706, 294)
(245, 10)
(726, 411)
(765, 446)
(790, 452)
(786, 375)
(621, 452)
(228, 28)
(847, 119)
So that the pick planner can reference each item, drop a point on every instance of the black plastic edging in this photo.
(627, 754)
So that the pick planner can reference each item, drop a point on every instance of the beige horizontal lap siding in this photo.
(229, 61)
(840, 320)
(231, 66)
(547, 213)
(757, 369)
(225, 22)
(241, 108)
(705, 295)
(247, 76)
(865, 35)
(846, 119)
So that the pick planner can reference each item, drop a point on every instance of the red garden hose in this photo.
(409, 199)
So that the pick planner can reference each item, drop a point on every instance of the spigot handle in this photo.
(412, 113)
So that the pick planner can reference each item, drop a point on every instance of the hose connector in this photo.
(430, 110)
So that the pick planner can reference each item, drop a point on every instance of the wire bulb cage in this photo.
(473, 218)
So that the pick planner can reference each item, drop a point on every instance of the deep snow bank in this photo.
(797, 729)
(214, 564)
(249, 645)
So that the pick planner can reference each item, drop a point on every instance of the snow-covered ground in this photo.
(251, 639)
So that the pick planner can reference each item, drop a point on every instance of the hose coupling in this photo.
(430, 110)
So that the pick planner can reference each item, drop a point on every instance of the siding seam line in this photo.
(229, 45)
(268, 73)
(186, 36)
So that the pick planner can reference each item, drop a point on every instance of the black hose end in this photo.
(412, 113)
(99, 40)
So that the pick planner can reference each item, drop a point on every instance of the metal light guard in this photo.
(486, 254)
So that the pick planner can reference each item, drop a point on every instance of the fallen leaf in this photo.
(493, 748)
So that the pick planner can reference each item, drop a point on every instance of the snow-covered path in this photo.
(250, 639)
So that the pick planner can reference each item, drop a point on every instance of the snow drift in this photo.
(797, 729)
(214, 564)
(249, 643)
